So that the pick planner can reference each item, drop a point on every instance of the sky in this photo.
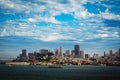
(49, 24)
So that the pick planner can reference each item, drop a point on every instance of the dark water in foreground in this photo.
(84, 72)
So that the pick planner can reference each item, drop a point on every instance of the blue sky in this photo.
(36, 24)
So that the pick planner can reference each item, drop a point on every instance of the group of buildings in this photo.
(76, 53)
(70, 55)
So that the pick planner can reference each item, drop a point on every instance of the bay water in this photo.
(71, 72)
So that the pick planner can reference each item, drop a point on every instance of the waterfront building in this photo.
(77, 51)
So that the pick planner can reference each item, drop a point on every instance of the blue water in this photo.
(84, 72)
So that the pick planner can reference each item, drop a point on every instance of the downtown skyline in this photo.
(39, 24)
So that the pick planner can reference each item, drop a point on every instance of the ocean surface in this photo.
(83, 72)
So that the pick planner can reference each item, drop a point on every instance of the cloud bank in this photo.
(64, 20)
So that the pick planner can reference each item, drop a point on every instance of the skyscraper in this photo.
(61, 51)
(82, 54)
(95, 56)
(77, 50)
(24, 52)
(57, 52)
(72, 53)
(67, 53)
(111, 53)
(104, 54)
(23, 56)
(119, 52)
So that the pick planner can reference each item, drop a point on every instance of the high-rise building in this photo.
(24, 52)
(67, 53)
(57, 52)
(77, 50)
(23, 56)
(82, 54)
(104, 54)
(61, 54)
(72, 53)
(95, 56)
(111, 53)
(119, 52)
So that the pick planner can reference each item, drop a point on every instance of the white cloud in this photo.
(81, 14)
(115, 34)
(50, 19)
(103, 35)
(36, 12)
(38, 18)
(4, 33)
(52, 38)
(58, 33)
(108, 15)
(32, 20)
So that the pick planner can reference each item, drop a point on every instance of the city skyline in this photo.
(76, 52)
(39, 24)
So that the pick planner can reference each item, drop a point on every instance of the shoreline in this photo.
(51, 64)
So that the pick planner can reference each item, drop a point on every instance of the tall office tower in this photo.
(61, 54)
(111, 53)
(119, 52)
(77, 50)
(23, 56)
(67, 53)
(104, 54)
(24, 52)
(82, 54)
(72, 53)
(57, 52)
(95, 56)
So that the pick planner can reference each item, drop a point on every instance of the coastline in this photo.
(51, 64)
